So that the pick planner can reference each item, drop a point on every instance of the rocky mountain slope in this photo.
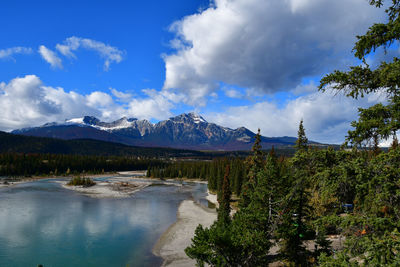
(188, 131)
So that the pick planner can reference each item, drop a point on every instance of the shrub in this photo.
(77, 180)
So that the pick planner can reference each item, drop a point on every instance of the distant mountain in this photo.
(186, 131)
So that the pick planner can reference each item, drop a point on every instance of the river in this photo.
(43, 223)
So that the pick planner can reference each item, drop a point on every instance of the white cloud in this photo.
(109, 53)
(156, 105)
(121, 96)
(99, 99)
(305, 88)
(50, 57)
(9, 52)
(26, 101)
(23, 103)
(232, 93)
(263, 45)
(326, 116)
(389, 141)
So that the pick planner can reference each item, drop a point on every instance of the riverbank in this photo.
(121, 186)
(11, 181)
(212, 198)
(173, 242)
(114, 187)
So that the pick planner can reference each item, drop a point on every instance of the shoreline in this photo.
(20, 180)
(170, 246)
(119, 186)
(116, 187)
(212, 198)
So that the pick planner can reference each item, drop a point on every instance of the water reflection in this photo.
(40, 222)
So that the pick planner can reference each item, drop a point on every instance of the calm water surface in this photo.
(42, 223)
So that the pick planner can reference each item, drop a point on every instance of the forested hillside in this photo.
(299, 205)
(12, 143)
(317, 194)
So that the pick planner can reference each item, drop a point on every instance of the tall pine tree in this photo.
(254, 164)
(224, 199)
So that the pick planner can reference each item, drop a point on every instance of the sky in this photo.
(252, 63)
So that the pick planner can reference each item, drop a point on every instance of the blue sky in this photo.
(252, 63)
(138, 28)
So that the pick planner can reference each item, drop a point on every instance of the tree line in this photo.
(212, 171)
(21, 164)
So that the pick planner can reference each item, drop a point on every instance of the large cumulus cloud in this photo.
(326, 116)
(27, 101)
(264, 45)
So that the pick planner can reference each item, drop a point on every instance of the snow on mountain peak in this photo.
(196, 117)
(106, 126)
(75, 120)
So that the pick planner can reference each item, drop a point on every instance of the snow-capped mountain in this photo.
(189, 131)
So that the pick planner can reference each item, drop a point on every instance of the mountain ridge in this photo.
(185, 131)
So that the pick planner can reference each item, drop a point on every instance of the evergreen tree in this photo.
(224, 199)
(254, 165)
(302, 141)
(381, 121)
(292, 229)
(243, 240)
(372, 228)
(274, 179)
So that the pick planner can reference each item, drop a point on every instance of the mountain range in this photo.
(186, 131)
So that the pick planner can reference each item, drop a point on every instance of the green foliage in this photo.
(243, 240)
(305, 198)
(85, 182)
(340, 260)
(13, 164)
(376, 123)
(254, 165)
(302, 141)
(215, 246)
(11, 143)
(212, 171)
(224, 200)
(381, 121)
(370, 181)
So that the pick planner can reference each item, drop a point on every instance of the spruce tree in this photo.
(302, 141)
(254, 165)
(224, 199)
(292, 227)
(380, 121)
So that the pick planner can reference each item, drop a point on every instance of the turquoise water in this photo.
(42, 223)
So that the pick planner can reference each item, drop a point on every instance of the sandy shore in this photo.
(212, 198)
(115, 187)
(172, 243)
(133, 173)
(20, 180)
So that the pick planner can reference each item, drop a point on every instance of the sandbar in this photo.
(115, 187)
(178, 236)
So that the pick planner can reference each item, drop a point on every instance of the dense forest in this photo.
(28, 155)
(13, 143)
(16, 164)
(312, 197)
(212, 171)
(300, 205)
